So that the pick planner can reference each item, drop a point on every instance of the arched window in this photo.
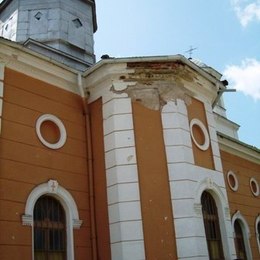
(212, 229)
(257, 231)
(49, 229)
(50, 205)
(241, 236)
(239, 241)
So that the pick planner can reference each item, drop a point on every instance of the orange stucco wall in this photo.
(243, 199)
(100, 185)
(156, 207)
(26, 163)
(202, 158)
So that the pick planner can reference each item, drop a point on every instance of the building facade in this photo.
(123, 159)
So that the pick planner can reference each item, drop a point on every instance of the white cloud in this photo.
(245, 11)
(245, 77)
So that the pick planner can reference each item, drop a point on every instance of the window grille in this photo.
(239, 241)
(212, 229)
(49, 230)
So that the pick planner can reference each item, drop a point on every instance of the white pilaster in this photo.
(213, 137)
(126, 232)
(185, 178)
(182, 182)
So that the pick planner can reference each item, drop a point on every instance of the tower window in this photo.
(49, 229)
(38, 16)
(77, 23)
(212, 229)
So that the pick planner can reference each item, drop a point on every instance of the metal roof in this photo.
(91, 2)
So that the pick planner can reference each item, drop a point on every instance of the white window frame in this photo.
(52, 188)
(210, 186)
(245, 230)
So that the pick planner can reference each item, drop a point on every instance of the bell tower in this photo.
(60, 29)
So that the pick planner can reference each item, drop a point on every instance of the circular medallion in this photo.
(232, 181)
(199, 134)
(254, 187)
(51, 131)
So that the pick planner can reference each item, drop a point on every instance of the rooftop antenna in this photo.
(190, 51)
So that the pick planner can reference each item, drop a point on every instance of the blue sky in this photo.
(226, 34)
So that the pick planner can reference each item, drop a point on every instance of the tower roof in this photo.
(91, 2)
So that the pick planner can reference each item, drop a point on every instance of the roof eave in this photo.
(173, 58)
(236, 147)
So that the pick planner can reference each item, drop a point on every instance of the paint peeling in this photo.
(155, 84)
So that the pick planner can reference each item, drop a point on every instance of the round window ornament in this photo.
(51, 131)
(254, 187)
(199, 134)
(232, 181)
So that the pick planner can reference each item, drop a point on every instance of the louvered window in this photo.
(49, 230)
(212, 229)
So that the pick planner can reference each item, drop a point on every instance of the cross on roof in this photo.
(190, 51)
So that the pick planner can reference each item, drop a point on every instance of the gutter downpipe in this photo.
(90, 168)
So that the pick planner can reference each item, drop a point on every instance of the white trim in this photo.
(21, 59)
(1, 89)
(257, 222)
(209, 185)
(126, 228)
(245, 230)
(58, 123)
(2, 71)
(230, 173)
(235, 147)
(204, 130)
(52, 188)
(253, 180)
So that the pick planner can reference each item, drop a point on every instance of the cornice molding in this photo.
(238, 148)
(19, 58)
(171, 76)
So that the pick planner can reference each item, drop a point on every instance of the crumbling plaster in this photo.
(155, 84)
(152, 82)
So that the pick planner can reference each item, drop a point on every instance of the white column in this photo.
(126, 231)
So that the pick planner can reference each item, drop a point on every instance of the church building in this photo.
(121, 159)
